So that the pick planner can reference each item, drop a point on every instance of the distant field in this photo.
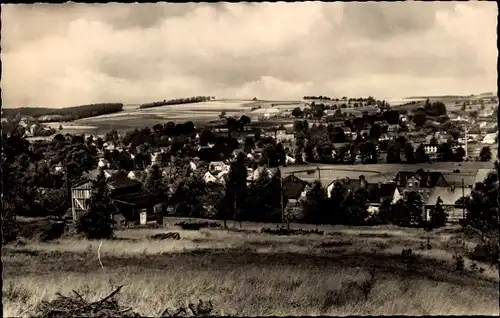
(133, 117)
(246, 273)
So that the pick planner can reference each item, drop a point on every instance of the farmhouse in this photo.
(430, 150)
(420, 179)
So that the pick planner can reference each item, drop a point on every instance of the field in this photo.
(387, 172)
(133, 117)
(244, 272)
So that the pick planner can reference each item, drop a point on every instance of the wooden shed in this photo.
(80, 196)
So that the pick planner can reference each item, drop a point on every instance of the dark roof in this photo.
(139, 199)
(380, 191)
(119, 181)
(293, 186)
(426, 178)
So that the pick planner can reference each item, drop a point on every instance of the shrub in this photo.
(486, 251)
(197, 226)
(284, 231)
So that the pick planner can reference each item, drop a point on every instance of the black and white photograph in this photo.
(249, 159)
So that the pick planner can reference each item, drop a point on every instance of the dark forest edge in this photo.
(64, 114)
(178, 101)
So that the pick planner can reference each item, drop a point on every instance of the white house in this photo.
(289, 160)
(430, 149)
(489, 139)
(103, 163)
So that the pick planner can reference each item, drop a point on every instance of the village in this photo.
(321, 133)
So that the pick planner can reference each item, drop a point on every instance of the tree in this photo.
(368, 152)
(297, 112)
(60, 127)
(419, 118)
(438, 215)
(434, 141)
(485, 154)
(375, 131)
(155, 184)
(420, 155)
(236, 187)
(97, 223)
(409, 153)
(444, 152)
(394, 153)
(315, 203)
(459, 154)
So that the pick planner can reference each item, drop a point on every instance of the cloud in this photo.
(68, 54)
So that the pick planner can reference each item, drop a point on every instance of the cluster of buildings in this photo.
(431, 186)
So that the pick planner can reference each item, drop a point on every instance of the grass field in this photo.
(245, 272)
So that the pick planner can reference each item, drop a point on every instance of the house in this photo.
(350, 184)
(138, 175)
(379, 192)
(93, 174)
(489, 139)
(294, 188)
(218, 166)
(216, 178)
(58, 168)
(430, 150)
(449, 197)
(137, 204)
(103, 163)
(118, 184)
(392, 128)
(169, 171)
(289, 160)
(420, 179)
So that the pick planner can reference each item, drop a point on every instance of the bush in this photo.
(197, 226)
(487, 252)
(284, 231)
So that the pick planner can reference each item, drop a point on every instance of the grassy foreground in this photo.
(347, 271)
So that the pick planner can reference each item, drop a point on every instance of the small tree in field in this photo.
(97, 222)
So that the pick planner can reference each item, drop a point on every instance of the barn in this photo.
(124, 192)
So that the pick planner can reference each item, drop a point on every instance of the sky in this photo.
(58, 55)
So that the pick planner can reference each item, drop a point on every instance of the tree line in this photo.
(66, 114)
(178, 101)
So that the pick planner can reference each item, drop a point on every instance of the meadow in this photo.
(346, 271)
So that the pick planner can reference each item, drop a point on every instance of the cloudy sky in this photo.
(70, 54)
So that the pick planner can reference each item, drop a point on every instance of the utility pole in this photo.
(281, 199)
(465, 140)
(463, 200)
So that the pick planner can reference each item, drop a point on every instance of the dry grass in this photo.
(248, 273)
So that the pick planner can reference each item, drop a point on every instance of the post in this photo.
(465, 140)
(463, 200)
(281, 198)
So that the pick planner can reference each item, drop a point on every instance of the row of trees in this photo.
(177, 101)
(66, 114)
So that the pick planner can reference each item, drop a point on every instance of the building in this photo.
(294, 189)
(350, 184)
(489, 139)
(420, 179)
(430, 150)
(449, 197)
(118, 184)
